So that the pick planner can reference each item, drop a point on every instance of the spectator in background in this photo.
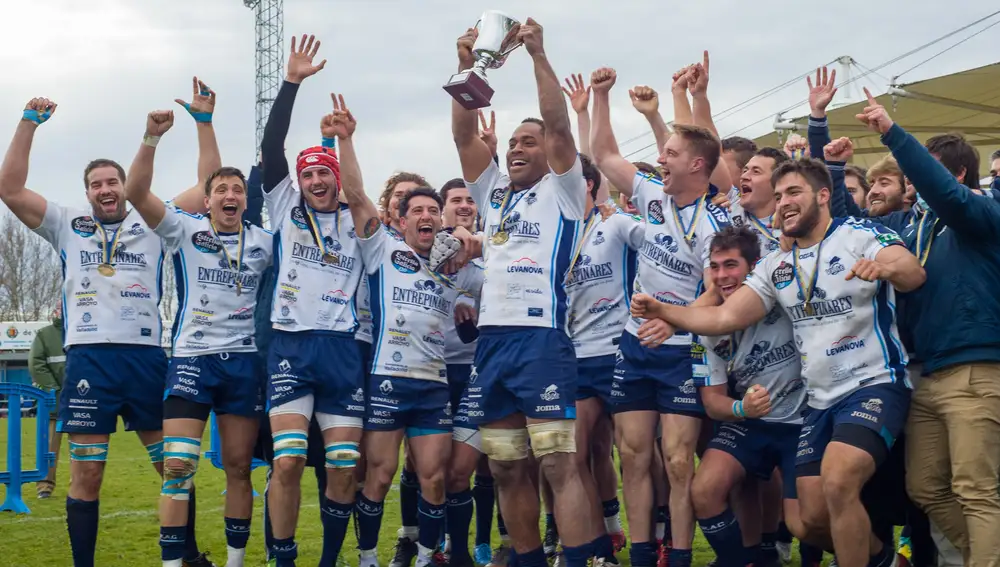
(47, 364)
(736, 152)
(856, 180)
(995, 168)
(887, 187)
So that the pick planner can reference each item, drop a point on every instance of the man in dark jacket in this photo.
(953, 432)
(47, 363)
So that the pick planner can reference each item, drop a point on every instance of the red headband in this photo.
(318, 156)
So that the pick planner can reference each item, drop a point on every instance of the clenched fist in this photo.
(603, 79)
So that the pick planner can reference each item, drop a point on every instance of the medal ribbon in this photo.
(698, 212)
(808, 291)
(445, 280)
(731, 360)
(314, 227)
(591, 223)
(506, 208)
(109, 251)
(924, 252)
(225, 251)
(761, 227)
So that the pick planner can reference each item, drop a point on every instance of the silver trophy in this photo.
(497, 39)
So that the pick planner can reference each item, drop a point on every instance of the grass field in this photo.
(129, 529)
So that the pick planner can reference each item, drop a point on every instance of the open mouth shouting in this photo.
(230, 210)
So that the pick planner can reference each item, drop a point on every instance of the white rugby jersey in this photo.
(411, 308)
(211, 318)
(363, 303)
(122, 308)
(524, 283)
(768, 237)
(670, 268)
(850, 339)
(600, 284)
(764, 354)
(455, 351)
(311, 294)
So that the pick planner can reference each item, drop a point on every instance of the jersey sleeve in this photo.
(53, 222)
(280, 200)
(481, 189)
(874, 237)
(373, 249)
(644, 190)
(760, 282)
(631, 229)
(572, 191)
(716, 375)
(174, 227)
(470, 278)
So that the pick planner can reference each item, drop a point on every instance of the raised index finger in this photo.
(705, 63)
(871, 99)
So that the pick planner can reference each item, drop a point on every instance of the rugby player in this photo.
(115, 364)
(832, 284)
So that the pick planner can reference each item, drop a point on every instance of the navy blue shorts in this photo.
(881, 408)
(759, 446)
(596, 377)
(422, 407)
(528, 370)
(470, 405)
(106, 381)
(229, 382)
(655, 379)
(326, 365)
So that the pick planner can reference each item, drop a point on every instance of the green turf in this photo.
(129, 530)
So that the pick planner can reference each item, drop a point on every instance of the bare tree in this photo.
(30, 275)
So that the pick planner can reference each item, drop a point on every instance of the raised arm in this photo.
(341, 123)
(272, 147)
(647, 102)
(679, 94)
(820, 95)
(26, 205)
(140, 174)
(201, 108)
(579, 99)
(739, 311)
(836, 154)
(560, 147)
(698, 85)
(619, 171)
(255, 196)
(473, 153)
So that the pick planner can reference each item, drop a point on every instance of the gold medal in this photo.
(500, 238)
(239, 289)
(808, 308)
(330, 258)
(106, 270)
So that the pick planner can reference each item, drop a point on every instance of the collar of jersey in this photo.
(342, 207)
(712, 192)
(834, 225)
(221, 233)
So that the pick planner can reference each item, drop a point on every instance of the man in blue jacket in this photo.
(953, 431)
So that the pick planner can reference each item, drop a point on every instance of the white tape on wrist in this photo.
(150, 141)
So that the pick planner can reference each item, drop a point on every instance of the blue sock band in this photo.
(285, 551)
(533, 558)
(603, 547)
(460, 511)
(723, 534)
(191, 540)
(611, 507)
(642, 554)
(483, 494)
(431, 523)
(578, 556)
(409, 488)
(237, 532)
(681, 558)
(172, 542)
(81, 520)
(369, 522)
(336, 517)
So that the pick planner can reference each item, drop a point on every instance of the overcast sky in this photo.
(107, 63)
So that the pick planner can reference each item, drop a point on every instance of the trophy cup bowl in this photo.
(497, 39)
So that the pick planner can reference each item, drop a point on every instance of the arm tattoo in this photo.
(371, 227)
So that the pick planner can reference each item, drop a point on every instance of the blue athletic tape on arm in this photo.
(35, 116)
(203, 117)
(330, 143)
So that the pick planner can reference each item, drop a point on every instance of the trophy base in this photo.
(470, 90)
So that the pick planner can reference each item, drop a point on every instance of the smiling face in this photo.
(756, 192)
(728, 270)
(226, 200)
(392, 207)
(886, 195)
(106, 193)
(679, 164)
(526, 160)
(798, 204)
(460, 209)
(421, 223)
(319, 188)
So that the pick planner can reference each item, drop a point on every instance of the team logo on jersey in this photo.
(84, 226)
(783, 275)
(136, 229)
(83, 387)
(332, 244)
(585, 270)
(762, 356)
(603, 305)
(722, 349)
(203, 300)
(386, 386)
(773, 316)
(719, 214)
(845, 344)
(667, 242)
(835, 266)
(428, 285)
(241, 314)
(771, 245)
(688, 387)
(85, 283)
(198, 335)
(737, 220)
(205, 241)
(655, 212)
(598, 237)
(550, 393)
(873, 405)
(136, 291)
(405, 261)
(817, 293)
(668, 297)
(292, 274)
(435, 338)
(86, 317)
(336, 296)
(400, 320)
(525, 265)
(397, 356)
(496, 197)
(887, 238)
(531, 198)
(298, 217)
(285, 311)
(256, 254)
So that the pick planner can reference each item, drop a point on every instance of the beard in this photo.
(808, 219)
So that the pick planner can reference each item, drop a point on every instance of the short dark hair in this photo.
(648, 169)
(955, 153)
(777, 155)
(703, 143)
(861, 174)
(813, 170)
(102, 163)
(995, 155)
(224, 171)
(396, 179)
(743, 148)
(532, 120)
(457, 183)
(590, 173)
(404, 203)
(741, 238)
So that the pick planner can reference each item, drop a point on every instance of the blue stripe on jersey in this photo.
(65, 320)
(566, 240)
(375, 286)
(882, 320)
(276, 263)
(159, 290)
(630, 265)
(180, 276)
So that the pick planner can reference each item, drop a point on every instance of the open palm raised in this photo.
(300, 59)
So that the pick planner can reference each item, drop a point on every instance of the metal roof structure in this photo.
(966, 102)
